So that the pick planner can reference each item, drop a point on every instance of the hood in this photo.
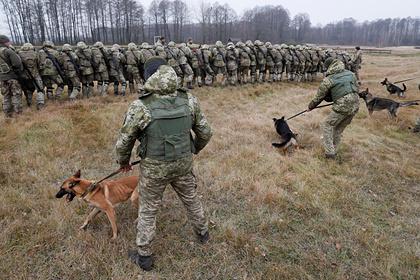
(336, 67)
(164, 81)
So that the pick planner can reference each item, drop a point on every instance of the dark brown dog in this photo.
(104, 197)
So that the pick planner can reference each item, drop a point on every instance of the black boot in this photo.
(203, 239)
(144, 262)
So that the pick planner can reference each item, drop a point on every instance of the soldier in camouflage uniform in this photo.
(356, 62)
(308, 63)
(197, 63)
(135, 62)
(295, 65)
(315, 63)
(173, 54)
(50, 69)
(162, 121)
(185, 57)
(231, 64)
(219, 60)
(302, 62)
(70, 62)
(160, 51)
(100, 59)
(270, 63)
(287, 61)
(207, 73)
(244, 63)
(250, 49)
(261, 57)
(116, 75)
(322, 57)
(278, 67)
(340, 87)
(31, 79)
(147, 51)
(10, 70)
(87, 75)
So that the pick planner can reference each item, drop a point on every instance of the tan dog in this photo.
(104, 197)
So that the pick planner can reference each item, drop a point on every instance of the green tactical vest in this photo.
(4, 66)
(168, 136)
(343, 84)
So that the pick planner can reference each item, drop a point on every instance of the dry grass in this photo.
(275, 217)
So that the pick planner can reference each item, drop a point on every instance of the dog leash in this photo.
(406, 80)
(300, 113)
(93, 186)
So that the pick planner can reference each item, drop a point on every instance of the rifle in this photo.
(34, 82)
(105, 56)
(55, 62)
(76, 67)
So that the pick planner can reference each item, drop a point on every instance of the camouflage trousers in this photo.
(187, 72)
(87, 84)
(344, 110)
(29, 88)
(49, 81)
(135, 82)
(151, 192)
(103, 82)
(12, 97)
(73, 84)
(243, 74)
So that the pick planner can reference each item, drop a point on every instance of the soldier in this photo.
(231, 64)
(287, 61)
(166, 148)
(100, 58)
(278, 68)
(160, 51)
(50, 69)
(315, 63)
(207, 73)
(295, 64)
(70, 62)
(302, 63)
(197, 63)
(340, 87)
(244, 62)
(261, 57)
(273, 58)
(250, 49)
(322, 58)
(10, 70)
(84, 53)
(172, 58)
(116, 75)
(184, 59)
(308, 63)
(147, 51)
(219, 60)
(356, 63)
(31, 80)
(134, 60)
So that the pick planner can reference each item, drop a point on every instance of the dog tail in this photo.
(405, 88)
(284, 143)
(409, 103)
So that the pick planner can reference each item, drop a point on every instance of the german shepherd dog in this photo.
(378, 104)
(289, 138)
(104, 197)
(393, 89)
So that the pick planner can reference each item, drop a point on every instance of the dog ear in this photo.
(77, 174)
(282, 118)
(274, 119)
(367, 90)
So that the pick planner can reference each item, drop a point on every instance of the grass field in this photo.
(272, 216)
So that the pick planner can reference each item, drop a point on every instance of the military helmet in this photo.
(81, 45)
(4, 39)
(283, 46)
(204, 47)
(67, 47)
(159, 48)
(182, 45)
(328, 62)
(171, 44)
(48, 44)
(98, 44)
(115, 47)
(132, 46)
(152, 65)
(249, 43)
(258, 43)
(219, 44)
(27, 47)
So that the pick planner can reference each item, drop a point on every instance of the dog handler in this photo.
(163, 120)
(340, 87)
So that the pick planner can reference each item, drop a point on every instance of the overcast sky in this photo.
(320, 11)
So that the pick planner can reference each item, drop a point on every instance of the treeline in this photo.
(123, 21)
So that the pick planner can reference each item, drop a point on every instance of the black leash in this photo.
(406, 80)
(300, 113)
(93, 186)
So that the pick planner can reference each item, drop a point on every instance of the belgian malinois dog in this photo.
(289, 138)
(104, 197)
(394, 89)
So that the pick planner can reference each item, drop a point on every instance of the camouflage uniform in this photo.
(100, 59)
(273, 58)
(302, 62)
(244, 62)
(207, 73)
(219, 60)
(31, 81)
(159, 167)
(231, 64)
(295, 65)
(340, 86)
(87, 75)
(50, 69)
(278, 58)
(261, 56)
(134, 60)
(70, 62)
(160, 51)
(197, 63)
(287, 61)
(185, 57)
(356, 62)
(250, 49)
(116, 63)
(147, 51)
(10, 67)
(172, 58)
(308, 63)
(315, 64)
